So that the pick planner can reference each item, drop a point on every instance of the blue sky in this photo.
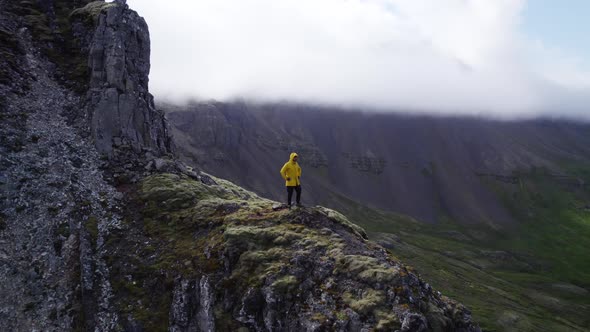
(560, 24)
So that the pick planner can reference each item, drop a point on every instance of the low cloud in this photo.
(444, 56)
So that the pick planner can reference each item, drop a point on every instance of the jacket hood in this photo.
(293, 155)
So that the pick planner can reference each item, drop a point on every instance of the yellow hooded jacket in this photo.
(291, 172)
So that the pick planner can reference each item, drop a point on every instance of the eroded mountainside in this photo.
(102, 228)
(430, 168)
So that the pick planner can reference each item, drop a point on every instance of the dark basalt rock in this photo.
(121, 107)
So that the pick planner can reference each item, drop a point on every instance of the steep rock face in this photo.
(55, 205)
(57, 199)
(123, 111)
(234, 261)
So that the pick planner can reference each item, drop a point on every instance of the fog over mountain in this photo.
(449, 56)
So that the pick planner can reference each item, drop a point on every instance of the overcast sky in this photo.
(508, 58)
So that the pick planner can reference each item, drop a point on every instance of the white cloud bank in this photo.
(435, 56)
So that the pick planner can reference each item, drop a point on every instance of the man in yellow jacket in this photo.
(291, 172)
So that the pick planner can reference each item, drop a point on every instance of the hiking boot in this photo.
(299, 205)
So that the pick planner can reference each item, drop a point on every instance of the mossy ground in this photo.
(184, 228)
(53, 34)
(534, 276)
(91, 11)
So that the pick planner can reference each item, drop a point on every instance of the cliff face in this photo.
(101, 228)
(123, 112)
(62, 111)
(54, 197)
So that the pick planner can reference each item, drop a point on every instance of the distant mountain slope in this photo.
(425, 167)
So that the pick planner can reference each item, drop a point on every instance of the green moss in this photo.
(165, 193)
(367, 269)
(144, 305)
(387, 321)
(132, 288)
(319, 317)
(91, 11)
(52, 34)
(341, 219)
(341, 315)
(261, 236)
(170, 192)
(232, 191)
(285, 284)
(255, 266)
(260, 257)
(366, 302)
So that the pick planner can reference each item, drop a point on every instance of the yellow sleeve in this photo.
(298, 170)
(284, 171)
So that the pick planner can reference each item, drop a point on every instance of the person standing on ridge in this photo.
(291, 172)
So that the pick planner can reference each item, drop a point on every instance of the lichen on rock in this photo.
(91, 11)
(302, 269)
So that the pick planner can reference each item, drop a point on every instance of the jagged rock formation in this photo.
(123, 111)
(55, 204)
(233, 262)
(101, 228)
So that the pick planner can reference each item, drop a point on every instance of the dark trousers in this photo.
(290, 193)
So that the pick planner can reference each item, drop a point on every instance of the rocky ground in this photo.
(236, 261)
(56, 207)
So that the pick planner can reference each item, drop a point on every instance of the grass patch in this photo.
(91, 11)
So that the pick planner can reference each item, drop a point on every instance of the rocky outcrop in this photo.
(123, 111)
(229, 260)
(192, 306)
(98, 50)
(57, 203)
(55, 207)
